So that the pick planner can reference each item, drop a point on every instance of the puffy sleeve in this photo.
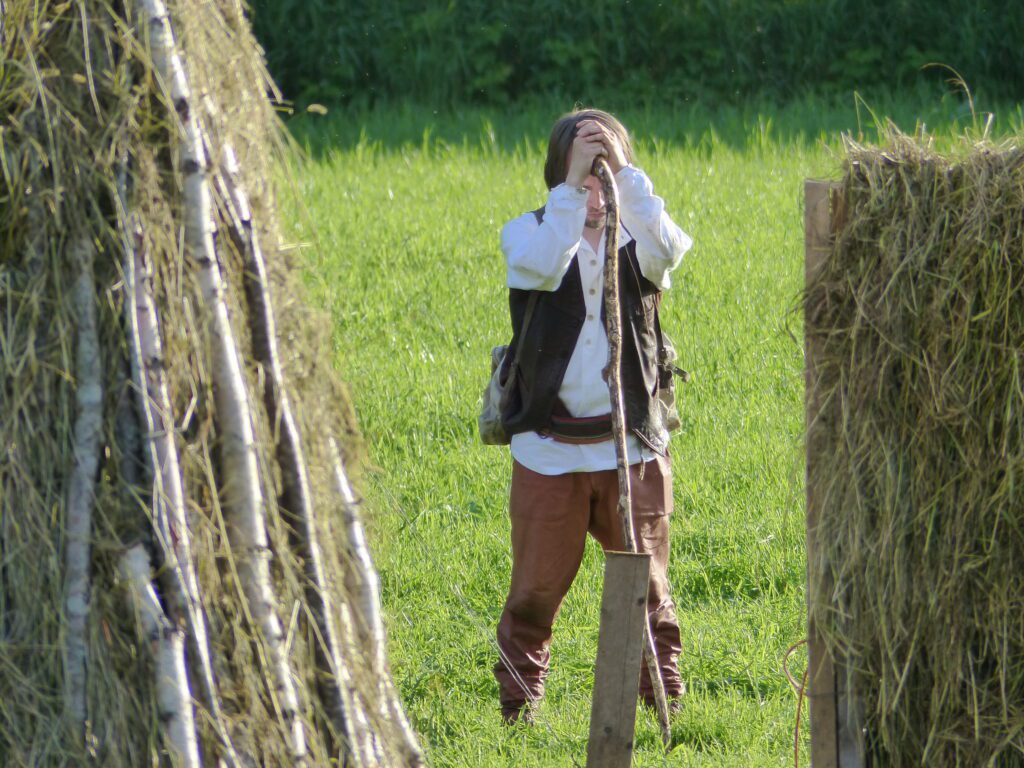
(660, 243)
(537, 256)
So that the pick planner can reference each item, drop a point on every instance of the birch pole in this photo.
(81, 491)
(613, 320)
(296, 498)
(241, 492)
(363, 584)
(168, 494)
(174, 702)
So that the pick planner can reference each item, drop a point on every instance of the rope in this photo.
(801, 691)
(796, 731)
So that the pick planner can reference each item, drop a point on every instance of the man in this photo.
(564, 480)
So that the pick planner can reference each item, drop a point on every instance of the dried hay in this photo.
(88, 140)
(918, 321)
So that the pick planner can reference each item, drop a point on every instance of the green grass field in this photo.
(407, 209)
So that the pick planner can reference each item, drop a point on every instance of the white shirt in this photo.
(537, 258)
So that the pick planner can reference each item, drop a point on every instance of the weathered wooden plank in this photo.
(619, 651)
(837, 740)
(821, 677)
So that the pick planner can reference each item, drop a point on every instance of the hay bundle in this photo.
(919, 318)
(183, 576)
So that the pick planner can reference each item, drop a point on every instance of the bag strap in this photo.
(530, 306)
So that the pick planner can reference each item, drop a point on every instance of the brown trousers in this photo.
(551, 516)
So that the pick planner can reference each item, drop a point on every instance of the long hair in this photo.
(564, 131)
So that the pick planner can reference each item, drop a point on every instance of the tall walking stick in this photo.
(613, 324)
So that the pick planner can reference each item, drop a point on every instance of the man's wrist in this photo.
(574, 183)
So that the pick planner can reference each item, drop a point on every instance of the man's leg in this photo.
(652, 507)
(549, 528)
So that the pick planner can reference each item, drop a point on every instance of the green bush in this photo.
(474, 51)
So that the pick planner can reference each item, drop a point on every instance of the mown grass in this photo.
(403, 211)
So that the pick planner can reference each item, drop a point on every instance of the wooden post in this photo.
(836, 738)
(619, 651)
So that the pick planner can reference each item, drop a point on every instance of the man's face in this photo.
(596, 211)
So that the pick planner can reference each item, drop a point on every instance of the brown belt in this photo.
(579, 431)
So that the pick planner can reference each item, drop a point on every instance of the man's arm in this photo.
(537, 257)
(660, 243)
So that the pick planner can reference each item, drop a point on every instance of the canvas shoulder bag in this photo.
(492, 432)
(496, 393)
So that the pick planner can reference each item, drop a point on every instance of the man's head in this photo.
(564, 131)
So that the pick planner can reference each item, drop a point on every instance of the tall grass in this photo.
(407, 208)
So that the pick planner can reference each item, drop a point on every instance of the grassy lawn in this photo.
(407, 208)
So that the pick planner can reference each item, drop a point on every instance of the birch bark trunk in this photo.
(167, 491)
(296, 499)
(363, 583)
(174, 701)
(81, 484)
(241, 492)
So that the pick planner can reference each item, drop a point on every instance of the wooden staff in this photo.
(613, 326)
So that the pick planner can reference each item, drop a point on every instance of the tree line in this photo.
(478, 52)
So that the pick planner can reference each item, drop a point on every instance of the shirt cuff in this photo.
(633, 182)
(565, 193)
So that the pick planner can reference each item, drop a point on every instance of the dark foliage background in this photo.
(478, 51)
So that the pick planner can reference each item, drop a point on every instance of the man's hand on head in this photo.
(591, 131)
(585, 149)
(592, 140)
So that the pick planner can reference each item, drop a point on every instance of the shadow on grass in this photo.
(523, 127)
